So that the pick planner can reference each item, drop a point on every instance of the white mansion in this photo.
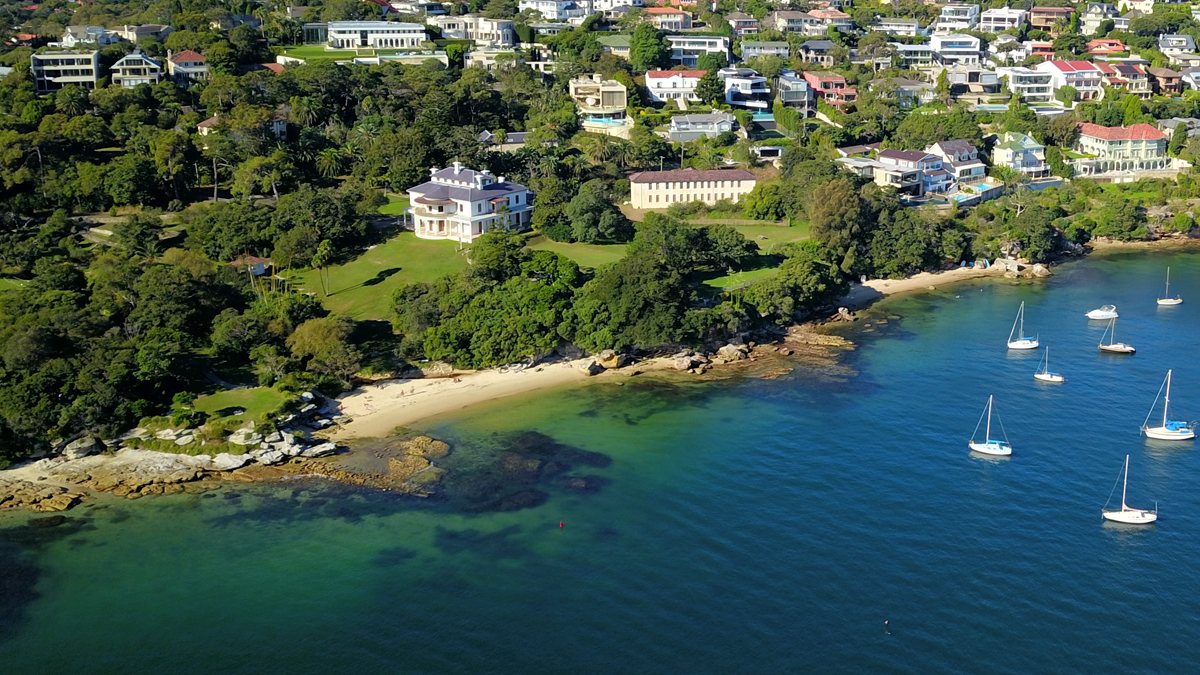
(460, 204)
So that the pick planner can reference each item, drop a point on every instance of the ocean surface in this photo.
(754, 526)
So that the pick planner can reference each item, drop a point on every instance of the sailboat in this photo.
(989, 446)
(1167, 300)
(1170, 430)
(1021, 342)
(1113, 346)
(1044, 374)
(1126, 514)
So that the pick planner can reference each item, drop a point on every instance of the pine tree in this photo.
(1179, 139)
(710, 89)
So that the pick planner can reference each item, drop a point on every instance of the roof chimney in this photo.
(433, 171)
(457, 168)
(478, 181)
(500, 179)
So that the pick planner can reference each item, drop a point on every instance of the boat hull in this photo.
(1023, 343)
(1098, 315)
(1118, 348)
(1166, 434)
(1054, 378)
(994, 448)
(1169, 302)
(1131, 516)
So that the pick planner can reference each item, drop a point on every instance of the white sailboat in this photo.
(989, 446)
(1044, 374)
(1167, 300)
(1018, 330)
(1170, 430)
(1104, 313)
(1127, 515)
(1114, 347)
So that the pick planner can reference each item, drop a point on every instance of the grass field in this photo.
(773, 234)
(740, 279)
(395, 206)
(1116, 188)
(10, 284)
(255, 402)
(585, 255)
(362, 288)
(318, 52)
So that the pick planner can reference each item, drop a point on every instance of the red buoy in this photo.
(560, 523)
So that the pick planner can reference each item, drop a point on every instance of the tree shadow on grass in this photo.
(373, 281)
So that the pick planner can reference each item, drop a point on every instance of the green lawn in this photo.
(395, 206)
(318, 52)
(586, 255)
(362, 288)
(740, 279)
(774, 234)
(255, 402)
(10, 284)
(1124, 189)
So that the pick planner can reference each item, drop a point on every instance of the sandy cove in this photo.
(861, 295)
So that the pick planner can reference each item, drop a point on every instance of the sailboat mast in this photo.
(1168, 294)
(988, 434)
(1125, 486)
(1167, 400)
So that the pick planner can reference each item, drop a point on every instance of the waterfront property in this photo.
(1116, 150)
(1021, 153)
(660, 189)
(462, 204)
(960, 158)
(54, 70)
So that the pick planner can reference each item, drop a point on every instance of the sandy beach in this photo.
(377, 409)
(861, 295)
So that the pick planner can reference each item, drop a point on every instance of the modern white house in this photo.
(54, 70)
(685, 49)
(897, 26)
(997, 20)
(1021, 153)
(691, 127)
(490, 32)
(672, 85)
(794, 91)
(79, 36)
(752, 49)
(660, 189)
(462, 204)
(137, 68)
(956, 17)
(955, 48)
(745, 88)
(1031, 85)
(1084, 76)
(374, 35)
(557, 10)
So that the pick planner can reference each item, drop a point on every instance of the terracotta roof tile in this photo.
(1132, 132)
(690, 174)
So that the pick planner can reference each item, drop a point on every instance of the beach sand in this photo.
(861, 295)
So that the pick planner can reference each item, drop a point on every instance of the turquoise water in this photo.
(749, 527)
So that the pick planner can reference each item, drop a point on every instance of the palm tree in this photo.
(330, 162)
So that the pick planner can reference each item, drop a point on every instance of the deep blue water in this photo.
(750, 527)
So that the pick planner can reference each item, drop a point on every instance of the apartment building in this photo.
(956, 49)
(462, 205)
(752, 49)
(601, 104)
(1032, 86)
(1139, 147)
(54, 70)
(669, 18)
(685, 49)
(490, 32)
(1084, 76)
(660, 189)
(373, 35)
(956, 17)
(914, 56)
(1021, 153)
(1049, 18)
(998, 20)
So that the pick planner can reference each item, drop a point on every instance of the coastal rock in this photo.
(426, 447)
(228, 462)
(1011, 274)
(610, 359)
(1041, 271)
(327, 448)
(245, 437)
(273, 437)
(41, 498)
(185, 439)
(271, 457)
(81, 448)
(732, 352)
(685, 363)
(401, 468)
(167, 435)
(140, 433)
(591, 368)
(289, 450)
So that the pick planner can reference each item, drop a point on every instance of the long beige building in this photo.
(660, 189)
